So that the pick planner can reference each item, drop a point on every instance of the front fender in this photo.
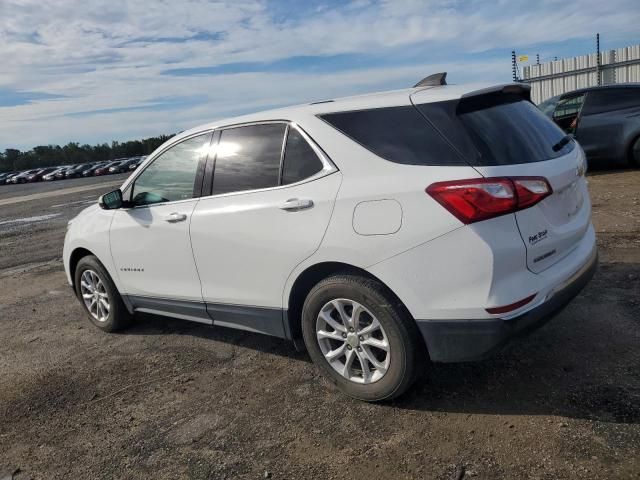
(90, 231)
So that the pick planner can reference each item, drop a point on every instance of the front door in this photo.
(150, 241)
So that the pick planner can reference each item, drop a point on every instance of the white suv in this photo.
(436, 221)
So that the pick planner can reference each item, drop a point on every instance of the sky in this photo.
(94, 71)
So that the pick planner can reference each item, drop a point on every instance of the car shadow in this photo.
(597, 168)
(583, 364)
(149, 324)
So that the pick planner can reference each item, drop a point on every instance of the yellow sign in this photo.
(523, 58)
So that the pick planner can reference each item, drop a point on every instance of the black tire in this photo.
(405, 348)
(634, 153)
(118, 317)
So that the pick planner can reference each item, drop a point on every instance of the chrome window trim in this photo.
(282, 149)
(328, 167)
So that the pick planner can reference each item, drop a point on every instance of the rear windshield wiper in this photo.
(562, 142)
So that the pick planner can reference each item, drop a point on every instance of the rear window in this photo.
(397, 134)
(499, 129)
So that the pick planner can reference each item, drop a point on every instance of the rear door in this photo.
(268, 211)
(505, 135)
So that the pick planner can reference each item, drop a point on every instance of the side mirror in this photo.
(111, 200)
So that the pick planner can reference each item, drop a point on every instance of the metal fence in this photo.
(560, 76)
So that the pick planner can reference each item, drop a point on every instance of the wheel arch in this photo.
(76, 255)
(308, 278)
(634, 139)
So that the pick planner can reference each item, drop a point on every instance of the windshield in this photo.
(548, 106)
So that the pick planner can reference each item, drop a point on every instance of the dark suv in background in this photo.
(605, 120)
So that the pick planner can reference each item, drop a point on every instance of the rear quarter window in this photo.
(300, 161)
(397, 134)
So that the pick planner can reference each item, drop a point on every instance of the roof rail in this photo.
(433, 80)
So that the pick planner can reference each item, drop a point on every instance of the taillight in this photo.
(483, 198)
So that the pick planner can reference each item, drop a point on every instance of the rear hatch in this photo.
(501, 133)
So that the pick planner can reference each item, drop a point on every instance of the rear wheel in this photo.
(360, 337)
(99, 296)
(634, 155)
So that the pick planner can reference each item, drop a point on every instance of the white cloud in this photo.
(100, 55)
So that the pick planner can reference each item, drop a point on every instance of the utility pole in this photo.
(514, 66)
(537, 59)
(598, 65)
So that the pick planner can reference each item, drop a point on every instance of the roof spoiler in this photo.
(433, 80)
(522, 89)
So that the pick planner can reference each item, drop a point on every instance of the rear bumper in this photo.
(467, 340)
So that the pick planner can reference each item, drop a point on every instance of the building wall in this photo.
(554, 78)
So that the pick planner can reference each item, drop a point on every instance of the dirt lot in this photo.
(170, 399)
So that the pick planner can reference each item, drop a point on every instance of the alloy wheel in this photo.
(353, 341)
(94, 295)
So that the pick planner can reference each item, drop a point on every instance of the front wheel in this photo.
(361, 338)
(99, 296)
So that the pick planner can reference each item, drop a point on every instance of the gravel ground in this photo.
(170, 399)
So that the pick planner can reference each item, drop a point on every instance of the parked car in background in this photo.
(78, 170)
(119, 167)
(89, 172)
(10, 177)
(104, 169)
(123, 166)
(22, 176)
(52, 175)
(37, 176)
(61, 173)
(136, 163)
(380, 230)
(5, 176)
(605, 120)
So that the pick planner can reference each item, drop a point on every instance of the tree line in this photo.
(72, 153)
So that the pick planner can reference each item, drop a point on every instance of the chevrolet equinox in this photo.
(381, 230)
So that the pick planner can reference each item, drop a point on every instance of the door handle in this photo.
(176, 217)
(296, 204)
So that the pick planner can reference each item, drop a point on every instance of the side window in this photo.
(248, 158)
(610, 99)
(397, 134)
(566, 113)
(300, 161)
(172, 175)
(568, 107)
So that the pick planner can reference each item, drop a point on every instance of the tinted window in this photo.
(397, 134)
(248, 158)
(610, 99)
(300, 161)
(172, 175)
(497, 129)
